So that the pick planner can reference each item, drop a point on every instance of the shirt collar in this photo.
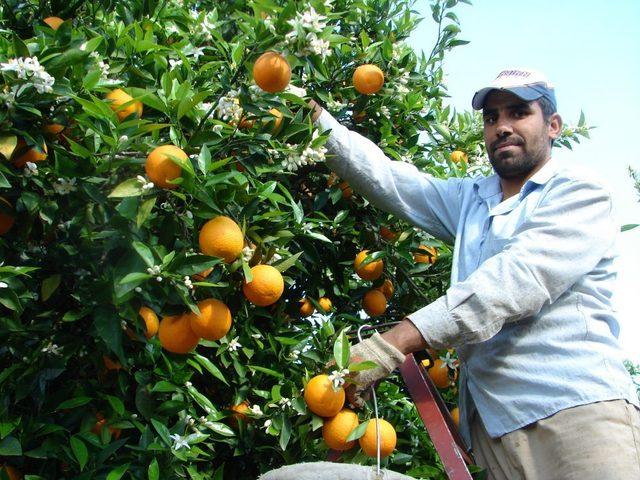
(487, 187)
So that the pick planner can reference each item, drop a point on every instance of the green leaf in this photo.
(109, 330)
(7, 427)
(8, 144)
(204, 160)
(285, 432)
(128, 188)
(162, 430)
(144, 211)
(210, 367)
(135, 277)
(49, 285)
(10, 446)
(629, 226)
(341, 350)
(221, 429)
(287, 263)
(79, 451)
(145, 252)
(358, 431)
(153, 472)
(118, 472)
(360, 366)
(268, 371)
(4, 183)
(74, 402)
(116, 404)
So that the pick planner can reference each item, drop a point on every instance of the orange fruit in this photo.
(214, 320)
(175, 334)
(429, 257)
(151, 322)
(111, 364)
(161, 169)
(455, 415)
(370, 271)
(277, 120)
(336, 430)
(458, 156)
(200, 277)
(368, 79)
(53, 128)
(12, 472)
(54, 22)
(6, 219)
(439, 373)
(306, 307)
(387, 289)
(266, 287)
(100, 423)
(272, 72)
(388, 234)
(29, 153)
(118, 98)
(239, 413)
(368, 441)
(221, 237)
(347, 191)
(321, 398)
(374, 303)
(325, 304)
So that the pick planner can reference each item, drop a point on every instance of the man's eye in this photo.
(489, 120)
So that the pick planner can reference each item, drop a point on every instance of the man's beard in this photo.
(510, 164)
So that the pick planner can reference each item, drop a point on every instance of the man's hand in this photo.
(385, 355)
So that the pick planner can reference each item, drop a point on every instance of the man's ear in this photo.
(555, 126)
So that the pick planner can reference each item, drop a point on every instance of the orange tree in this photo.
(138, 343)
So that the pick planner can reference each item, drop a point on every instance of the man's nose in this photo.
(503, 128)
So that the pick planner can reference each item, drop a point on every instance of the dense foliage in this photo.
(92, 240)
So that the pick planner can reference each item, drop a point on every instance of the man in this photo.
(544, 393)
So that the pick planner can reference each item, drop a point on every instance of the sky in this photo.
(590, 52)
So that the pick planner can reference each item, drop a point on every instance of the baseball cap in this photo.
(524, 83)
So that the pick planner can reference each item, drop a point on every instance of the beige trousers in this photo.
(598, 441)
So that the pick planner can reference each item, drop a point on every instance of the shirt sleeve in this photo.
(569, 232)
(396, 187)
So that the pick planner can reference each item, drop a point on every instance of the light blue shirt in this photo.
(529, 307)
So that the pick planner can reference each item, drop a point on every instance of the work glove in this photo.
(375, 349)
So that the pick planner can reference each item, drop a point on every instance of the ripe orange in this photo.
(200, 277)
(118, 98)
(161, 169)
(54, 22)
(325, 304)
(368, 79)
(455, 414)
(175, 334)
(111, 364)
(429, 257)
(321, 398)
(29, 154)
(374, 303)
(221, 237)
(12, 472)
(458, 156)
(388, 438)
(306, 307)
(336, 430)
(53, 128)
(272, 72)
(239, 413)
(214, 320)
(387, 289)
(388, 234)
(439, 373)
(6, 219)
(151, 322)
(266, 287)
(371, 271)
(347, 191)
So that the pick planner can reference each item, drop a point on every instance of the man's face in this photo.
(515, 134)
